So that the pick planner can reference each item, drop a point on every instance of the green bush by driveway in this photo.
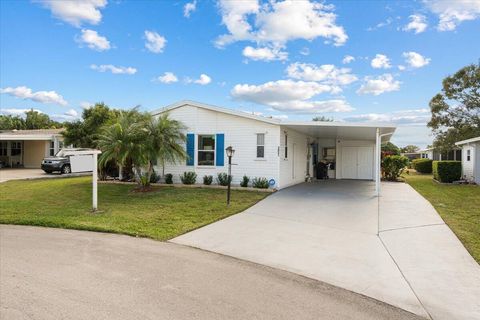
(447, 171)
(422, 165)
(162, 214)
(458, 205)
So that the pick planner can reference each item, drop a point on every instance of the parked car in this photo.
(60, 162)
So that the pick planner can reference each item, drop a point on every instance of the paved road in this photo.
(63, 274)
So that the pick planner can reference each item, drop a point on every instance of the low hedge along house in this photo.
(447, 171)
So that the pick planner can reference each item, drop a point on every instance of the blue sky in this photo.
(353, 61)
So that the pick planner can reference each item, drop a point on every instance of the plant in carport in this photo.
(393, 167)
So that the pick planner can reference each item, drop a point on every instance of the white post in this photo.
(377, 162)
(94, 183)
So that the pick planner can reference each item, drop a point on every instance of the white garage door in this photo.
(357, 163)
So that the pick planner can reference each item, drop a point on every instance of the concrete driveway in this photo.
(394, 248)
(7, 174)
(66, 274)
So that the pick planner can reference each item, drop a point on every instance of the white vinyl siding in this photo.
(240, 133)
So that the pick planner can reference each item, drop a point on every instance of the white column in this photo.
(94, 183)
(377, 162)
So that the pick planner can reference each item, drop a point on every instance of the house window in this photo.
(3, 148)
(16, 148)
(52, 148)
(286, 147)
(468, 155)
(260, 145)
(206, 150)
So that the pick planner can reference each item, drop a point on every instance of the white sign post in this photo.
(80, 162)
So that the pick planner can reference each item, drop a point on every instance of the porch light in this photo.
(230, 151)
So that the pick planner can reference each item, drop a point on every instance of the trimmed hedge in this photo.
(422, 165)
(393, 167)
(447, 171)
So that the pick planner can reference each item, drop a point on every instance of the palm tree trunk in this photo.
(120, 172)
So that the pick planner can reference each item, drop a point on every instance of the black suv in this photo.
(60, 162)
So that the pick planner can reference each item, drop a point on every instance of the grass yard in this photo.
(458, 205)
(161, 214)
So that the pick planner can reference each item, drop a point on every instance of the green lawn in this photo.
(162, 214)
(458, 205)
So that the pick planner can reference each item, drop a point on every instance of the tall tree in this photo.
(32, 120)
(85, 133)
(322, 118)
(9, 122)
(390, 148)
(456, 109)
(409, 149)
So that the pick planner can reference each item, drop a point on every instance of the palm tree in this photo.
(164, 142)
(119, 140)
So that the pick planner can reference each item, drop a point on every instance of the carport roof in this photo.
(38, 134)
(341, 130)
(320, 129)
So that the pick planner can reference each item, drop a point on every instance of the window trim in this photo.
(197, 142)
(469, 154)
(51, 148)
(260, 145)
(285, 146)
(17, 143)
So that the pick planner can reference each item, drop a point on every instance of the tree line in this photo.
(32, 120)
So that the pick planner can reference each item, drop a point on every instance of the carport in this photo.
(352, 150)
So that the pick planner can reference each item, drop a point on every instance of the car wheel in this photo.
(66, 169)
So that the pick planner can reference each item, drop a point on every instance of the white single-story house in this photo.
(27, 148)
(470, 159)
(432, 154)
(284, 152)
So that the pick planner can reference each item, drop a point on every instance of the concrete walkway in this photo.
(394, 248)
(66, 274)
(7, 174)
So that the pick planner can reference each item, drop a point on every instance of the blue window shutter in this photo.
(219, 149)
(190, 149)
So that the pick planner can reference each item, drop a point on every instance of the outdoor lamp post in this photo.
(230, 152)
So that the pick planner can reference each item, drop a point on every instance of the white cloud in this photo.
(290, 95)
(379, 85)
(71, 113)
(76, 12)
(265, 53)
(202, 80)
(167, 77)
(85, 104)
(154, 42)
(382, 24)
(113, 69)
(326, 73)
(452, 13)
(93, 40)
(415, 60)
(381, 61)
(417, 24)
(16, 111)
(25, 93)
(347, 59)
(401, 68)
(401, 117)
(278, 22)
(189, 7)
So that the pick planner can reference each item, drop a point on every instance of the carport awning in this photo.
(339, 130)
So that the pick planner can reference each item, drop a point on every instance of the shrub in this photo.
(223, 179)
(189, 177)
(261, 183)
(244, 182)
(169, 178)
(154, 177)
(447, 171)
(422, 165)
(393, 166)
(207, 180)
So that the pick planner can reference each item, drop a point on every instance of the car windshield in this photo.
(60, 153)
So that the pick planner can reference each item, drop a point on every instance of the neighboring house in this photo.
(27, 148)
(411, 155)
(470, 159)
(432, 154)
(284, 152)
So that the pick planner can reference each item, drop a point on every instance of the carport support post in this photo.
(94, 183)
(377, 162)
